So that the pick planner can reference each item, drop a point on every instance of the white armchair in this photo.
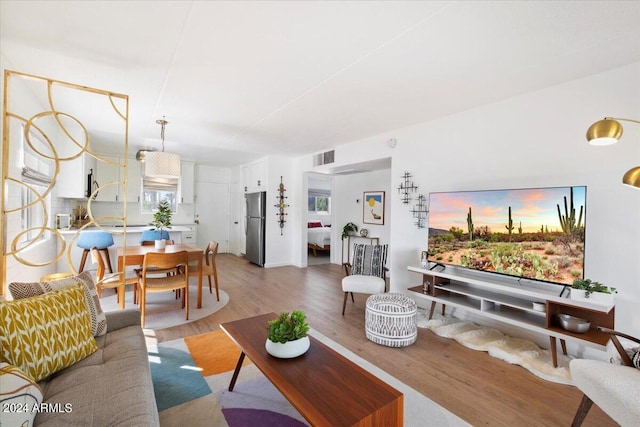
(614, 388)
(367, 272)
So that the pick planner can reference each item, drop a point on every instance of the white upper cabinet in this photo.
(107, 173)
(134, 181)
(74, 177)
(254, 176)
(187, 179)
(110, 172)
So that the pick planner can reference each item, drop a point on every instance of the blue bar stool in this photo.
(98, 239)
(153, 235)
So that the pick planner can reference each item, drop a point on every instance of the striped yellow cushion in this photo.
(44, 334)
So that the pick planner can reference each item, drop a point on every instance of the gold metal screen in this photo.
(55, 122)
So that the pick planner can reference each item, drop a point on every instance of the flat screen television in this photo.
(534, 233)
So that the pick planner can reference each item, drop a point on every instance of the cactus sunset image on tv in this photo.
(536, 233)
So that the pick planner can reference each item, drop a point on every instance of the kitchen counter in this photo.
(130, 229)
(184, 233)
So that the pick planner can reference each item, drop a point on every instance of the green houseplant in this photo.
(593, 291)
(348, 228)
(161, 220)
(287, 335)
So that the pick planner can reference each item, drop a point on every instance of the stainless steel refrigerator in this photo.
(254, 227)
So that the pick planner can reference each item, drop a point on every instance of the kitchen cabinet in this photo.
(73, 177)
(134, 181)
(187, 180)
(107, 171)
(110, 171)
(254, 176)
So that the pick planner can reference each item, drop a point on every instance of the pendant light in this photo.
(159, 164)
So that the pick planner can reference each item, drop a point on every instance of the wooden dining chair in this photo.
(151, 281)
(112, 280)
(153, 242)
(55, 276)
(209, 268)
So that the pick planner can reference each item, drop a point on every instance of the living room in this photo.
(534, 138)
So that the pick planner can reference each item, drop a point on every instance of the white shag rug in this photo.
(516, 351)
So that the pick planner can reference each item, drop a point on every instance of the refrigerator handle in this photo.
(246, 202)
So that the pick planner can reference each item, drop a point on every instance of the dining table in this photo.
(134, 256)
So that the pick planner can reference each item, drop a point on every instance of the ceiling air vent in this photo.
(324, 158)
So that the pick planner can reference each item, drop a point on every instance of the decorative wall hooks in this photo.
(406, 187)
(281, 205)
(420, 211)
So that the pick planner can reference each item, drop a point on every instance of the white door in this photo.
(236, 221)
(212, 213)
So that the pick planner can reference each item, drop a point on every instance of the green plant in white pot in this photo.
(287, 335)
(161, 220)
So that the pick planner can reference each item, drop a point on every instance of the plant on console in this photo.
(348, 228)
(590, 286)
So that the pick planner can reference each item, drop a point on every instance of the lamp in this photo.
(608, 131)
(159, 164)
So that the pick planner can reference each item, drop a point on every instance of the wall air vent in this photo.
(324, 158)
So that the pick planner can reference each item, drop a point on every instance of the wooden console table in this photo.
(324, 386)
(505, 300)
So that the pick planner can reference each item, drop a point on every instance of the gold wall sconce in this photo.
(607, 132)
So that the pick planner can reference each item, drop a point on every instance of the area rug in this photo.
(516, 351)
(163, 310)
(191, 377)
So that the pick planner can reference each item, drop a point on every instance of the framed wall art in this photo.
(373, 207)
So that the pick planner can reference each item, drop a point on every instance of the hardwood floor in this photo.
(478, 388)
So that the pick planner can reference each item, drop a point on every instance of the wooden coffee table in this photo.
(324, 386)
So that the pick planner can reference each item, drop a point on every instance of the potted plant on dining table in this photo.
(161, 220)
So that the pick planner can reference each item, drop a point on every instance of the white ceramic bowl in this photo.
(539, 306)
(574, 324)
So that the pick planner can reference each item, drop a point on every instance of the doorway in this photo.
(319, 219)
(212, 214)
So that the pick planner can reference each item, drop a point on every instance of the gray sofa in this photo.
(111, 387)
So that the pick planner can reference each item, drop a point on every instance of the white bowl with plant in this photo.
(287, 335)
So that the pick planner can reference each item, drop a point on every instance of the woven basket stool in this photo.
(390, 320)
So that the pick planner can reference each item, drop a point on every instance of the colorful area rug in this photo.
(163, 310)
(191, 377)
(516, 351)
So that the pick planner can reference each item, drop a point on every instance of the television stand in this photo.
(505, 300)
(437, 264)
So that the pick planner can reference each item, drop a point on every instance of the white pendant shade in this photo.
(159, 164)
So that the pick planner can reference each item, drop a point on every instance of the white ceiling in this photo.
(241, 80)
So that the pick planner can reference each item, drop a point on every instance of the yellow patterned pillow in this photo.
(44, 334)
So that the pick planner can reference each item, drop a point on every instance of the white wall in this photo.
(279, 242)
(536, 139)
(347, 199)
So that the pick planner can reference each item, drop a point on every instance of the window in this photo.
(36, 172)
(319, 201)
(155, 190)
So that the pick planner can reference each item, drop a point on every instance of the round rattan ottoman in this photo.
(390, 320)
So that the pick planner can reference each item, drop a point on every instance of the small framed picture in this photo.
(373, 207)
